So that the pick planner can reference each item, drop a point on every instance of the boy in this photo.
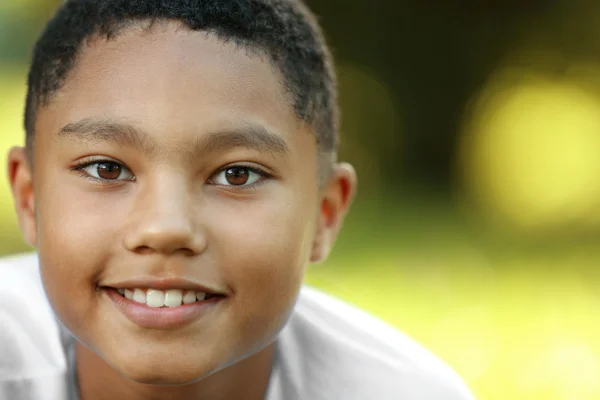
(178, 176)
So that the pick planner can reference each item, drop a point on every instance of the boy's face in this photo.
(207, 177)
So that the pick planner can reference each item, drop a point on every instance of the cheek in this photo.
(78, 225)
(78, 221)
(263, 250)
(74, 239)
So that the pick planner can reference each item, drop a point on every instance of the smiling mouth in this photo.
(170, 298)
(164, 309)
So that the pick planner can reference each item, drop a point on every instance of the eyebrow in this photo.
(247, 135)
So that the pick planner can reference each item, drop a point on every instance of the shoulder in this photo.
(30, 341)
(19, 269)
(360, 356)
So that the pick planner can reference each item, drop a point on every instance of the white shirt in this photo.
(328, 350)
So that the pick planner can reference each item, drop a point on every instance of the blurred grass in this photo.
(515, 322)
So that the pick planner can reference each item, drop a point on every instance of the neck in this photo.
(248, 379)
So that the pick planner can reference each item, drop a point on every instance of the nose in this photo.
(164, 220)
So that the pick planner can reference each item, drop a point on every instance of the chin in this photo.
(160, 377)
(174, 372)
(158, 380)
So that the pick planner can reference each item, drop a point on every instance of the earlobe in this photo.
(320, 247)
(336, 198)
(21, 182)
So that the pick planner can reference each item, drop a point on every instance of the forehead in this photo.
(170, 79)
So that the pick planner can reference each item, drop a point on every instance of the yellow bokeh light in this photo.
(530, 154)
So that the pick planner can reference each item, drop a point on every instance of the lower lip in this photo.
(163, 317)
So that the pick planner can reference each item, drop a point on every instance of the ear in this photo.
(20, 177)
(336, 197)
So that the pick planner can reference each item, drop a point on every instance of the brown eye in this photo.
(108, 170)
(237, 176)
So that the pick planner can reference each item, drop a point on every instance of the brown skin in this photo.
(181, 216)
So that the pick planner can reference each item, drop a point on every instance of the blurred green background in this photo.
(475, 130)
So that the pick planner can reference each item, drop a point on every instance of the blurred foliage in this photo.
(475, 129)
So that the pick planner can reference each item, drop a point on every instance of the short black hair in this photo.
(284, 30)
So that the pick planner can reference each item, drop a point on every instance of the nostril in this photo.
(187, 252)
(143, 250)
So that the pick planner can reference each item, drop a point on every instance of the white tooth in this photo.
(200, 296)
(139, 296)
(121, 291)
(129, 294)
(173, 298)
(155, 298)
(189, 297)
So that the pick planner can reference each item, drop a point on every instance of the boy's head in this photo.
(178, 145)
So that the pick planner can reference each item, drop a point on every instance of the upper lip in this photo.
(166, 283)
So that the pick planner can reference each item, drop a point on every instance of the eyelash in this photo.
(80, 167)
(265, 176)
